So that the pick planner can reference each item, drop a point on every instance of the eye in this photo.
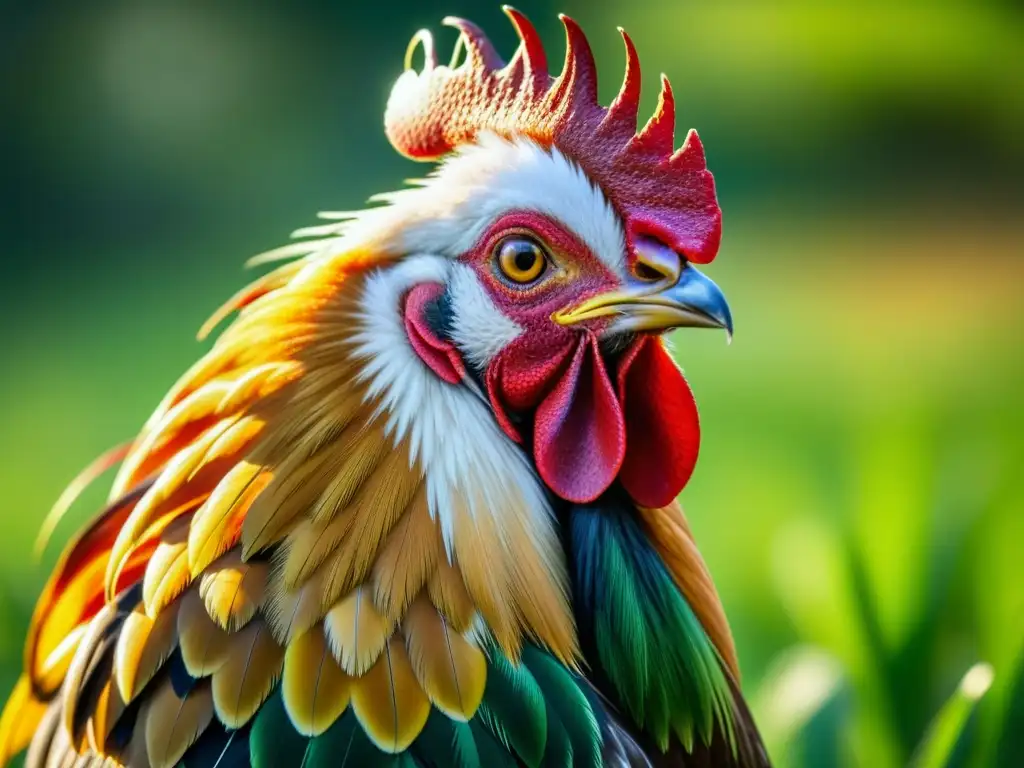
(521, 259)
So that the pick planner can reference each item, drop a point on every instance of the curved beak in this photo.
(691, 301)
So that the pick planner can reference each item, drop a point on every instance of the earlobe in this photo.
(440, 354)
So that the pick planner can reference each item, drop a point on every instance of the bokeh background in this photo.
(860, 495)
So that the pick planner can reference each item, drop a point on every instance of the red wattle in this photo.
(579, 431)
(661, 423)
(439, 354)
(520, 377)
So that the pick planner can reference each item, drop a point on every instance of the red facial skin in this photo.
(581, 412)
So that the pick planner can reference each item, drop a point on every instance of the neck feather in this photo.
(648, 647)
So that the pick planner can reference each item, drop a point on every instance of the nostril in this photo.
(648, 272)
(655, 262)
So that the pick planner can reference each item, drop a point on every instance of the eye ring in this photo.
(520, 259)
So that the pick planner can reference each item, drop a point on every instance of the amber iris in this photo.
(521, 259)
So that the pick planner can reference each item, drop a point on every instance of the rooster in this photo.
(416, 505)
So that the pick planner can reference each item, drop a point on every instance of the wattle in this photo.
(587, 432)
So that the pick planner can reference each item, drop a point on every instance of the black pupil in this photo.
(526, 256)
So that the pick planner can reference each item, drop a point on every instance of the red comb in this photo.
(659, 192)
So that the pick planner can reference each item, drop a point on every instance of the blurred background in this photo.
(859, 497)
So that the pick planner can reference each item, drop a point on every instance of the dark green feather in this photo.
(639, 630)
(446, 743)
(273, 740)
(562, 692)
(513, 709)
(493, 754)
(346, 745)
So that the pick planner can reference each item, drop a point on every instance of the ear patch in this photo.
(440, 355)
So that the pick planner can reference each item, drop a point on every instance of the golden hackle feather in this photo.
(314, 688)
(286, 499)
(388, 700)
(670, 534)
(143, 646)
(217, 525)
(292, 612)
(378, 507)
(409, 557)
(363, 449)
(167, 574)
(447, 590)
(232, 590)
(183, 485)
(248, 675)
(171, 724)
(450, 668)
(509, 579)
(357, 632)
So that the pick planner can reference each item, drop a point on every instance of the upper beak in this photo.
(682, 297)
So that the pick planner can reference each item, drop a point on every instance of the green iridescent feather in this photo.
(642, 633)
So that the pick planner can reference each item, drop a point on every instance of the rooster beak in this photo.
(678, 297)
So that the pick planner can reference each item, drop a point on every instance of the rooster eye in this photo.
(521, 259)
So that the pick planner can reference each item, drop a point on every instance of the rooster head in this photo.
(569, 238)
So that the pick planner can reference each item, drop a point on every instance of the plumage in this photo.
(205, 646)
(388, 701)
(408, 558)
(448, 593)
(248, 674)
(232, 590)
(357, 632)
(217, 524)
(167, 574)
(450, 668)
(514, 710)
(172, 723)
(315, 690)
(143, 645)
(413, 507)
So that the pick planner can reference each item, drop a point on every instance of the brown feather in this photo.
(205, 647)
(295, 485)
(408, 558)
(92, 661)
(451, 670)
(247, 677)
(233, 590)
(447, 591)
(291, 612)
(379, 505)
(143, 645)
(315, 689)
(357, 632)
(486, 575)
(388, 700)
(362, 450)
(109, 707)
(172, 724)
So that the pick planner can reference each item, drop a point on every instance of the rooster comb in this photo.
(660, 191)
